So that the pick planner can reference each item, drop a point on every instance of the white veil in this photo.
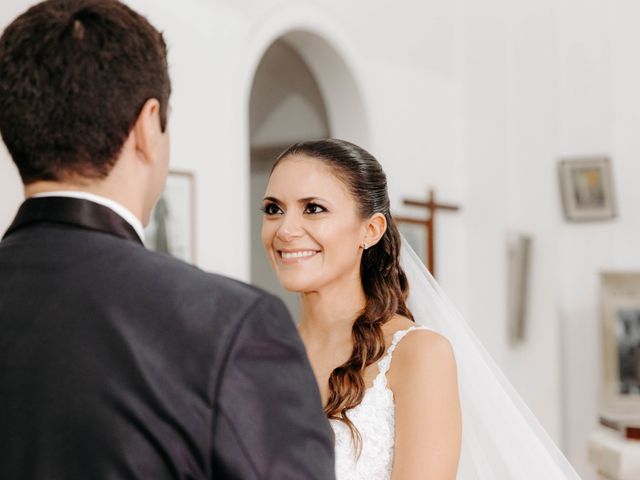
(501, 438)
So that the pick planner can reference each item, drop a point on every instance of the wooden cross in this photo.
(432, 207)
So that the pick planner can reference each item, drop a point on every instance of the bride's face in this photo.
(311, 229)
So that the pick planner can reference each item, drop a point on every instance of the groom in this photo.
(117, 362)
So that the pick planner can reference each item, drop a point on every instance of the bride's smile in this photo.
(288, 257)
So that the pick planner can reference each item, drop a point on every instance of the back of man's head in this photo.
(74, 75)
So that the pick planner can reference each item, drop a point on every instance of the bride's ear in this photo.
(374, 230)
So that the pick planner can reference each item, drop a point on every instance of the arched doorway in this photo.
(302, 89)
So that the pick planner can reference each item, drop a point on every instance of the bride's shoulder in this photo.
(415, 341)
(423, 345)
(421, 355)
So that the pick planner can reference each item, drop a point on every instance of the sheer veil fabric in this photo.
(501, 438)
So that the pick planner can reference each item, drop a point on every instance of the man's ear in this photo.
(375, 228)
(147, 130)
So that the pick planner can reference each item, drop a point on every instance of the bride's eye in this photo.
(314, 208)
(271, 209)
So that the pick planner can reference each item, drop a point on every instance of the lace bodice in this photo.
(375, 420)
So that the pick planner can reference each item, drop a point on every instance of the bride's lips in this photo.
(291, 256)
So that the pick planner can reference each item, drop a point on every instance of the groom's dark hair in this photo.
(74, 76)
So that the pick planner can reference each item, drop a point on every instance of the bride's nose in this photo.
(289, 229)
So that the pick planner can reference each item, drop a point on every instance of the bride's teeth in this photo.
(297, 254)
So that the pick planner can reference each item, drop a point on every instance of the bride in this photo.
(408, 391)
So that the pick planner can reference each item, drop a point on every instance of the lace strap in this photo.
(385, 363)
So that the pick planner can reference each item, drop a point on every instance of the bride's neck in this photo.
(328, 314)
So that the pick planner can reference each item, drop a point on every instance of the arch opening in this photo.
(302, 89)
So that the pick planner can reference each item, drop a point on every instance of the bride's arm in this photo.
(428, 422)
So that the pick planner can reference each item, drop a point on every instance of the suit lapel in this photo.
(73, 211)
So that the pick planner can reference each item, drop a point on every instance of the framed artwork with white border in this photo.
(171, 228)
(586, 187)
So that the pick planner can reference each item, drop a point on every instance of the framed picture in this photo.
(416, 233)
(171, 228)
(587, 189)
(621, 342)
(518, 264)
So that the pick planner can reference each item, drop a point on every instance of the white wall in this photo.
(478, 99)
(540, 81)
(583, 98)
(599, 113)
(506, 54)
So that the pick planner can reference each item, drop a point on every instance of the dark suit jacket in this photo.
(121, 363)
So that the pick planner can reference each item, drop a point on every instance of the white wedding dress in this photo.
(375, 420)
(501, 438)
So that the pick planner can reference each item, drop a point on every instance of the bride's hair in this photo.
(383, 280)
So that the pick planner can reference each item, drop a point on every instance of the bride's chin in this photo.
(295, 286)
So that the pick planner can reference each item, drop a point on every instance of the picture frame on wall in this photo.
(586, 188)
(519, 246)
(417, 235)
(171, 227)
(620, 292)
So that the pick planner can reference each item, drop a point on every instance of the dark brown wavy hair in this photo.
(383, 280)
(74, 76)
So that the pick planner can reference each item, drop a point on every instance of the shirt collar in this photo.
(118, 208)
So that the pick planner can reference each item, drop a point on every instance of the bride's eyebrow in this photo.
(301, 201)
(312, 199)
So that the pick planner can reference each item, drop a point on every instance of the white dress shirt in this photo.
(118, 208)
